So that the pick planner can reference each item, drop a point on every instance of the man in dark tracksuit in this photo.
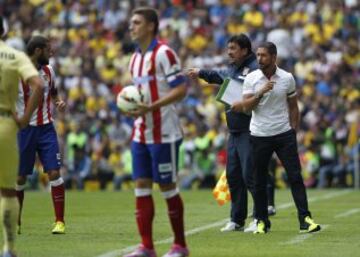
(239, 161)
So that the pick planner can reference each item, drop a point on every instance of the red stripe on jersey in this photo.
(26, 90)
(142, 129)
(48, 99)
(170, 55)
(132, 62)
(40, 118)
(143, 124)
(154, 97)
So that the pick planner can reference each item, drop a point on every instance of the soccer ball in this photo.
(129, 98)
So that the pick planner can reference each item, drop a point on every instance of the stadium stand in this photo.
(318, 41)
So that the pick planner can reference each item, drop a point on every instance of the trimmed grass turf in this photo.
(101, 222)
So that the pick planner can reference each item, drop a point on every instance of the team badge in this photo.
(46, 77)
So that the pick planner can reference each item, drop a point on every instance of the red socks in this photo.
(57, 194)
(144, 218)
(145, 214)
(58, 197)
(176, 216)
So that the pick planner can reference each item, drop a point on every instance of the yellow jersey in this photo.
(14, 65)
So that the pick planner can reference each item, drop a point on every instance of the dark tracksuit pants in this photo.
(285, 146)
(239, 168)
(271, 182)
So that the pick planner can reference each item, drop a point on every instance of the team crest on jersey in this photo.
(245, 71)
(46, 77)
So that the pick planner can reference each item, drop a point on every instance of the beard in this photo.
(43, 61)
(263, 66)
(233, 61)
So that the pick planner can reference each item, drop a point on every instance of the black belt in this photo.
(5, 113)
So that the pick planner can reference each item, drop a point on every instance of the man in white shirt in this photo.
(270, 93)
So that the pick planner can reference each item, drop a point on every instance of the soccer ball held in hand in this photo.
(129, 98)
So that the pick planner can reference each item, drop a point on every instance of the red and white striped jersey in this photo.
(42, 114)
(156, 72)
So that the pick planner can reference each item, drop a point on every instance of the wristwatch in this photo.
(258, 95)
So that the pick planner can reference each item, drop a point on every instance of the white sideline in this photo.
(120, 252)
(348, 213)
(300, 238)
(164, 241)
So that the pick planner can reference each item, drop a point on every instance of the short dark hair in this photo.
(270, 47)
(150, 15)
(242, 40)
(36, 42)
(1, 26)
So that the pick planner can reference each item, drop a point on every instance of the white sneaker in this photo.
(232, 226)
(252, 227)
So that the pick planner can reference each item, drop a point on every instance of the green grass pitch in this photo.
(102, 224)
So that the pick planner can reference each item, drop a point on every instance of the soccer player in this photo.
(40, 136)
(155, 69)
(270, 93)
(14, 65)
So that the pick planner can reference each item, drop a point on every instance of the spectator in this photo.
(81, 169)
(123, 170)
(204, 165)
(320, 31)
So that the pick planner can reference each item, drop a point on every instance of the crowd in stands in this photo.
(318, 41)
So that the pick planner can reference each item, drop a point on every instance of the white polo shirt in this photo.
(271, 116)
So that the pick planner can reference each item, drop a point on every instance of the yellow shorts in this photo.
(9, 155)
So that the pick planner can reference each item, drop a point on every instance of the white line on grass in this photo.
(348, 213)
(301, 238)
(165, 241)
(315, 199)
(119, 252)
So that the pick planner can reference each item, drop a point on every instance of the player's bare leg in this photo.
(20, 187)
(58, 198)
(176, 215)
(9, 209)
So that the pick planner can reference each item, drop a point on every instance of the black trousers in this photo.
(271, 182)
(239, 169)
(285, 146)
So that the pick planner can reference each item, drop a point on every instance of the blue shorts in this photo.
(41, 140)
(158, 162)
